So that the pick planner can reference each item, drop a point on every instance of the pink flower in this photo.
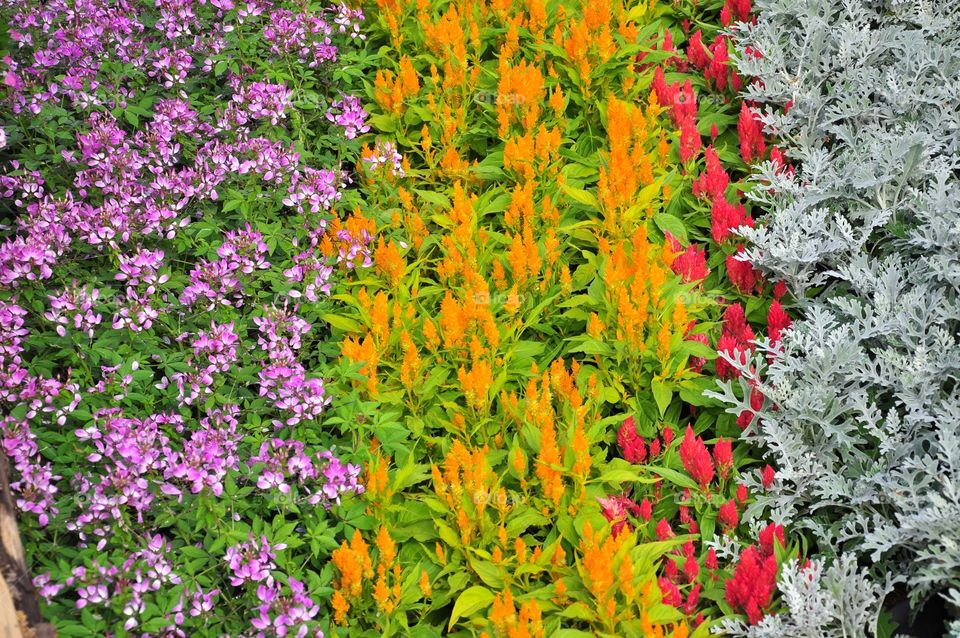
(631, 444)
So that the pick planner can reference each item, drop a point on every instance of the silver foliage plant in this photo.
(862, 409)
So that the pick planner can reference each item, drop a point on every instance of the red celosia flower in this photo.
(691, 568)
(767, 477)
(684, 105)
(646, 510)
(753, 583)
(711, 562)
(777, 321)
(691, 264)
(667, 435)
(723, 456)
(779, 289)
(719, 65)
(631, 444)
(655, 447)
(692, 599)
(728, 515)
(742, 273)
(696, 459)
(697, 52)
(766, 538)
(735, 323)
(752, 145)
(660, 88)
(670, 592)
(738, 10)
(712, 182)
(663, 530)
(725, 217)
(689, 139)
(742, 493)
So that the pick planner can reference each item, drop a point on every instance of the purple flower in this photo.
(252, 561)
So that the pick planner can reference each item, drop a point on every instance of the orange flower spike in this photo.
(379, 317)
(340, 607)
(387, 547)
(410, 368)
(520, 550)
(441, 554)
(425, 589)
(581, 450)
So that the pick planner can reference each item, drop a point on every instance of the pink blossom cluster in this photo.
(252, 561)
(286, 463)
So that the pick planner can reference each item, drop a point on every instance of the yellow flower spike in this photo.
(441, 554)
(340, 607)
(520, 550)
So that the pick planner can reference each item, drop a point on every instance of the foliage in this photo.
(861, 408)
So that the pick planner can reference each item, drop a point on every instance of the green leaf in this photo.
(472, 600)
(671, 224)
(662, 393)
(674, 477)
(579, 195)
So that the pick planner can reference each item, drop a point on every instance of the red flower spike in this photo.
(631, 444)
(728, 515)
(711, 561)
(689, 140)
(742, 494)
(712, 183)
(663, 530)
(696, 459)
(753, 583)
(697, 52)
(752, 145)
(692, 599)
(779, 289)
(741, 273)
(667, 435)
(655, 448)
(646, 510)
(670, 592)
(728, 344)
(691, 264)
(767, 536)
(767, 477)
(691, 568)
(723, 456)
(777, 321)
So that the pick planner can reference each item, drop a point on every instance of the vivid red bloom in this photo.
(646, 510)
(742, 493)
(660, 88)
(767, 536)
(697, 52)
(725, 217)
(655, 448)
(738, 10)
(742, 273)
(753, 583)
(667, 435)
(692, 599)
(767, 477)
(716, 72)
(691, 264)
(632, 445)
(663, 530)
(723, 456)
(670, 592)
(712, 182)
(696, 459)
(735, 323)
(691, 568)
(728, 515)
(752, 145)
(779, 289)
(684, 105)
(711, 562)
(689, 139)
(777, 321)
